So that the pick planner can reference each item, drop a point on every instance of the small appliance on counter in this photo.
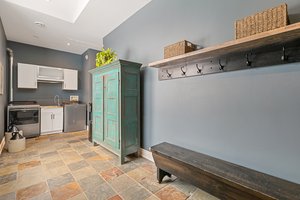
(74, 117)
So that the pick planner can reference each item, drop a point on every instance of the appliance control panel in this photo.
(74, 98)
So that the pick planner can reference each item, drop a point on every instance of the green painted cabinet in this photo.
(116, 107)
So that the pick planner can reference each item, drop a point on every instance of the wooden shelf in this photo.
(277, 36)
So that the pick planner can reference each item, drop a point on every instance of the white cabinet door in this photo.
(58, 119)
(27, 76)
(70, 79)
(46, 120)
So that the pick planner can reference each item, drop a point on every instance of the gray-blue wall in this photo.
(3, 97)
(88, 63)
(248, 117)
(25, 53)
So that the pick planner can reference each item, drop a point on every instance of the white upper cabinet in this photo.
(27, 76)
(70, 79)
(50, 74)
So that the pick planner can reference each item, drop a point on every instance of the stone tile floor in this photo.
(68, 166)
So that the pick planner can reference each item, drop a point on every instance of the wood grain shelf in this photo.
(277, 36)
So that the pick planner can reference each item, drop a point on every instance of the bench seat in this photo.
(220, 178)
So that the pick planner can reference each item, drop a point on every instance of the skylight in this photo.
(67, 10)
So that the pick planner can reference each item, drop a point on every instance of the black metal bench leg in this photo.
(161, 174)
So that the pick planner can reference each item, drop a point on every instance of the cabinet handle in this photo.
(53, 116)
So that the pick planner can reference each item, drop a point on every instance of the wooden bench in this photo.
(222, 179)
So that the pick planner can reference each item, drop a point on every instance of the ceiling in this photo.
(66, 25)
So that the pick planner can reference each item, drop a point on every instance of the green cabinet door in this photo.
(111, 109)
(98, 107)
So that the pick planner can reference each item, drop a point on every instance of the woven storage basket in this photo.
(264, 21)
(179, 48)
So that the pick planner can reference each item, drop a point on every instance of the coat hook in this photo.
(199, 71)
(284, 57)
(169, 75)
(221, 66)
(248, 62)
(183, 72)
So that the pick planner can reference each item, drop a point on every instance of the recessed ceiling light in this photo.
(68, 44)
(40, 24)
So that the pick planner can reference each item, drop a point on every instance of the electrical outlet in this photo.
(74, 98)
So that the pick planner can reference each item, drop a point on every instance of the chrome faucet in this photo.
(56, 100)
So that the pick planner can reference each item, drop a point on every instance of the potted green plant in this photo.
(105, 56)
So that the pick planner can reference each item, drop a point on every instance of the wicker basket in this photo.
(264, 21)
(179, 48)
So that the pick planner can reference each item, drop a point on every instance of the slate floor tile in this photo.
(184, 187)
(57, 171)
(154, 197)
(8, 196)
(116, 197)
(127, 167)
(73, 141)
(60, 181)
(80, 196)
(48, 154)
(43, 196)
(8, 178)
(100, 166)
(78, 165)
(66, 192)
(138, 174)
(8, 163)
(62, 146)
(100, 192)
(32, 191)
(122, 183)
(111, 173)
(30, 164)
(31, 153)
(89, 154)
(150, 167)
(100, 158)
(55, 164)
(84, 172)
(30, 177)
(170, 193)
(8, 170)
(135, 193)
(200, 194)
(151, 183)
(90, 182)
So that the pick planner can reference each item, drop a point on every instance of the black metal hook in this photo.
(248, 62)
(221, 66)
(183, 72)
(284, 57)
(199, 71)
(169, 75)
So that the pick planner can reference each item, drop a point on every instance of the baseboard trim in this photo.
(2, 145)
(146, 154)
